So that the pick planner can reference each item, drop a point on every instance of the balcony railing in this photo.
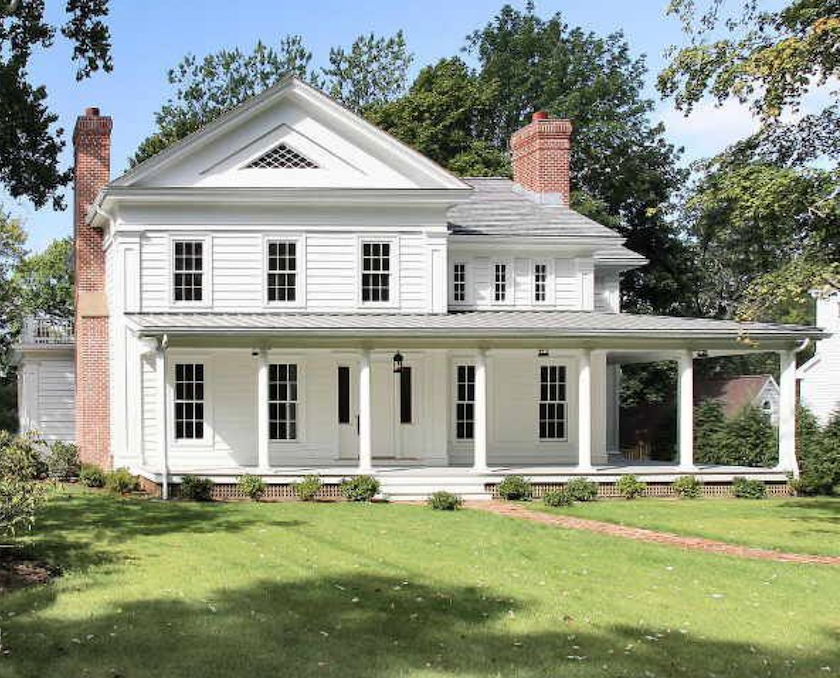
(47, 331)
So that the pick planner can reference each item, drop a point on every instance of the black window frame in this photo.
(188, 271)
(459, 282)
(540, 282)
(283, 402)
(500, 282)
(406, 401)
(465, 402)
(553, 414)
(281, 277)
(376, 270)
(344, 399)
(189, 401)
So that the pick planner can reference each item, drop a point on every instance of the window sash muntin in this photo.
(500, 274)
(283, 401)
(553, 404)
(188, 270)
(459, 281)
(376, 272)
(540, 282)
(282, 271)
(189, 401)
(465, 402)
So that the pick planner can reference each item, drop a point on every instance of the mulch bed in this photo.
(17, 572)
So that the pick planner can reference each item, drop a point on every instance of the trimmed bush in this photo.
(748, 439)
(630, 487)
(745, 488)
(581, 489)
(687, 487)
(307, 488)
(818, 452)
(20, 457)
(91, 475)
(251, 486)
(444, 501)
(194, 488)
(558, 497)
(63, 460)
(515, 488)
(360, 488)
(120, 481)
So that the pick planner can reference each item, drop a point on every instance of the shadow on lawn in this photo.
(366, 626)
(78, 530)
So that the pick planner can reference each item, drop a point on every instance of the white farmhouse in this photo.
(819, 378)
(290, 290)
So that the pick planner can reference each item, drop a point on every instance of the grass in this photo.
(153, 589)
(802, 525)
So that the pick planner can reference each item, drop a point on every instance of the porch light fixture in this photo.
(398, 362)
(542, 353)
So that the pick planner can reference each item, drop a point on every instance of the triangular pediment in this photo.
(291, 136)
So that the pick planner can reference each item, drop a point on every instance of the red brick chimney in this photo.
(541, 158)
(92, 145)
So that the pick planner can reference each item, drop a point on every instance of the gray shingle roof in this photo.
(481, 324)
(495, 208)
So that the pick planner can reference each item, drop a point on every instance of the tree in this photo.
(44, 281)
(769, 59)
(372, 71)
(443, 116)
(30, 144)
(12, 252)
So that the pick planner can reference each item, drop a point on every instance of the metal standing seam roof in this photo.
(464, 323)
(495, 208)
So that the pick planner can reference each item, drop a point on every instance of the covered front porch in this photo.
(453, 410)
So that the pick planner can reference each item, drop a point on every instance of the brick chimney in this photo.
(92, 146)
(540, 154)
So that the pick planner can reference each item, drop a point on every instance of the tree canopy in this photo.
(30, 144)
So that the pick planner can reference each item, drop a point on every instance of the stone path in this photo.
(640, 534)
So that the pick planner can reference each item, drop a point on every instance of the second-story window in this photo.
(500, 282)
(188, 278)
(282, 271)
(459, 281)
(376, 272)
(540, 277)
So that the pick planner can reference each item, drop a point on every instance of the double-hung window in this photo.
(188, 271)
(376, 272)
(189, 401)
(282, 272)
(552, 412)
(464, 402)
(540, 282)
(500, 280)
(282, 401)
(459, 282)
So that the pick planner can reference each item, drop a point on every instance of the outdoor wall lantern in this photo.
(398, 362)
(542, 353)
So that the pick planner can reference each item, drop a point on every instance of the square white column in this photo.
(585, 409)
(365, 422)
(166, 397)
(480, 423)
(263, 462)
(685, 410)
(787, 413)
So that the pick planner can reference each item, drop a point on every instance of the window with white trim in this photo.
(552, 413)
(282, 401)
(540, 282)
(464, 402)
(376, 272)
(188, 270)
(189, 401)
(500, 282)
(282, 271)
(459, 281)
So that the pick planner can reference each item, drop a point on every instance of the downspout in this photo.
(164, 342)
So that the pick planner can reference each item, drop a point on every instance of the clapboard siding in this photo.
(152, 425)
(56, 407)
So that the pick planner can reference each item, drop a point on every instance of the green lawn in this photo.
(153, 589)
(804, 525)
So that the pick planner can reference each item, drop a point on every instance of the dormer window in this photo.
(282, 156)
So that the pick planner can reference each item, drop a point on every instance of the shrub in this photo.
(307, 488)
(91, 475)
(63, 460)
(444, 501)
(581, 489)
(360, 488)
(558, 497)
(120, 481)
(687, 487)
(630, 486)
(744, 488)
(20, 457)
(19, 504)
(251, 486)
(818, 452)
(194, 488)
(748, 439)
(515, 488)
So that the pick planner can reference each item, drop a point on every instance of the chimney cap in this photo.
(92, 112)
(539, 115)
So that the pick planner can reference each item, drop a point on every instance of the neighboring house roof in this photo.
(509, 323)
(497, 207)
(735, 393)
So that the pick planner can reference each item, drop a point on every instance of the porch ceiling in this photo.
(551, 328)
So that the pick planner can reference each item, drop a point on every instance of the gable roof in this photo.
(291, 86)
(735, 393)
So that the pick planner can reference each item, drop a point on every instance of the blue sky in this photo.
(151, 36)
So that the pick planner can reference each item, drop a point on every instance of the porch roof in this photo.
(464, 324)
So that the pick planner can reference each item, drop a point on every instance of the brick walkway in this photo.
(639, 534)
